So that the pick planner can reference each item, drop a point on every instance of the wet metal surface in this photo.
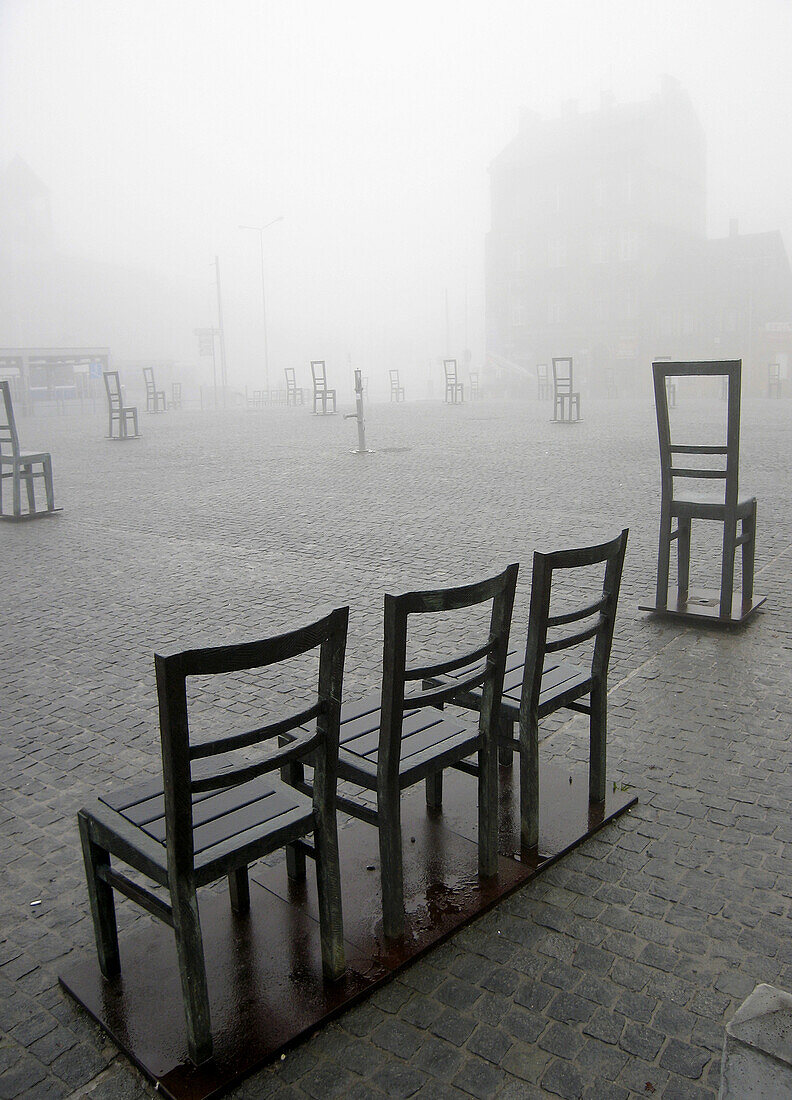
(264, 971)
(704, 604)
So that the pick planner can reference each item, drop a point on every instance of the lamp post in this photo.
(260, 230)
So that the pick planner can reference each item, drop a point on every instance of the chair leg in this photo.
(748, 554)
(529, 784)
(683, 557)
(391, 870)
(488, 808)
(434, 790)
(598, 736)
(727, 566)
(505, 743)
(239, 890)
(663, 556)
(192, 971)
(48, 485)
(30, 487)
(328, 886)
(100, 897)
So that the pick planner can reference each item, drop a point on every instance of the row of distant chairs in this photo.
(214, 812)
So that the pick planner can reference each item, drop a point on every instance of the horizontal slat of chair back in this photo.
(571, 640)
(235, 741)
(249, 655)
(449, 599)
(712, 475)
(231, 777)
(318, 371)
(439, 668)
(577, 615)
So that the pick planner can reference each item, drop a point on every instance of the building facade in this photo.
(598, 249)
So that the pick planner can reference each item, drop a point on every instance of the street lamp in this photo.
(260, 230)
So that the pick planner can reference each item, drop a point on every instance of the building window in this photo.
(517, 313)
(555, 308)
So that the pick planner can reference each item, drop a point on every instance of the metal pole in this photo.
(214, 367)
(361, 424)
(264, 316)
(223, 376)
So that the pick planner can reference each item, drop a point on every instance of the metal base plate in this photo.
(44, 514)
(264, 970)
(703, 605)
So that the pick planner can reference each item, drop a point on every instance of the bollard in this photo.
(361, 424)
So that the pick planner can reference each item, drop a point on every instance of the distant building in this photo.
(598, 249)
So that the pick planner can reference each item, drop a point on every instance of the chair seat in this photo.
(24, 457)
(712, 505)
(428, 736)
(250, 819)
(562, 681)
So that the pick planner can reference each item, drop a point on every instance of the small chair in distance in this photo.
(474, 385)
(454, 389)
(155, 399)
(712, 462)
(542, 382)
(20, 467)
(207, 820)
(117, 410)
(396, 390)
(566, 401)
(176, 395)
(294, 393)
(320, 390)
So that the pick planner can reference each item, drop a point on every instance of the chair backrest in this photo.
(562, 374)
(450, 368)
(718, 462)
(394, 379)
(291, 379)
(148, 378)
(774, 373)
(593, 619)
(112, 383)
(182, 782)
(485, 663)
(176, 391)
(9, 439)
(319, 374)
(542, 374)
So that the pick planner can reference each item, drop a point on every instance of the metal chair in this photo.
(396, 390)
(207, 820)
(293, 392)
(454, 389)
(176, 395)
(155, 399)
(320, 390)
(392, 741)
(118, 411)
(566, 401)
(719, 462)
(538, 683)
(774, 380)
(542, 381)
(20, 467)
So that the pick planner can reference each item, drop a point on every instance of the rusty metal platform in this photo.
(703, 605)
(264, 970)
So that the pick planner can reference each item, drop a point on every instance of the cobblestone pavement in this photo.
(611, 975)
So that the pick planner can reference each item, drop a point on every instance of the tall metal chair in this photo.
(703, 463)
(474, 385)
(396, 390)
(118, 412)
(774, 380)
(454, 389)
(207, 820)
(320, 390)
(393, 741)
(155, 399)
(20, 467)
(176, 395)
(566, 400)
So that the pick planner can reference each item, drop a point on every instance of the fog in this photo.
(161, 127)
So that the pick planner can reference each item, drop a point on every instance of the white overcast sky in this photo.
(161, 125)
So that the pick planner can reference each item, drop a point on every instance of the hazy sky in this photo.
(161, 125)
